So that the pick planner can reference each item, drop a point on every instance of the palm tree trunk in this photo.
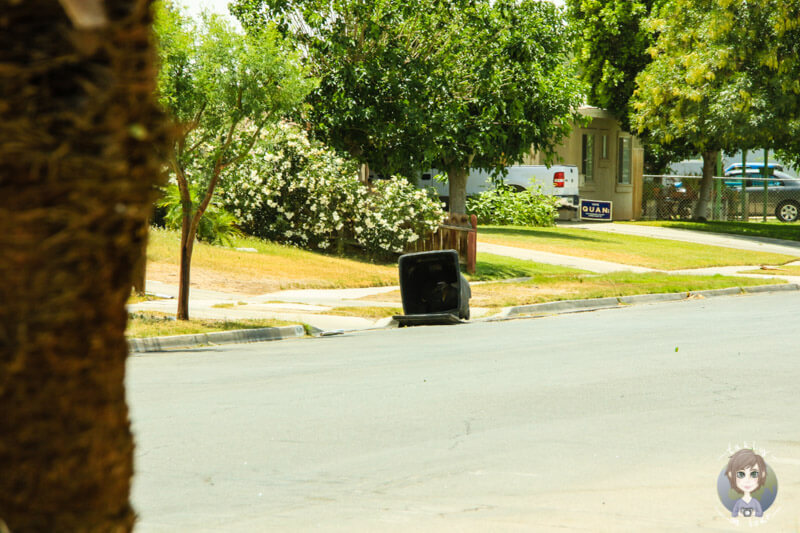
(140, 268)
(77, 170)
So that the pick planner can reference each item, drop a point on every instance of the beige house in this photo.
(610, 162)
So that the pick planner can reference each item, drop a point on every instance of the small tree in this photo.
(222, 88)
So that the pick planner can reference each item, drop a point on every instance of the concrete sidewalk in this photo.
(292, 306)
(582, 263)
(741, 242)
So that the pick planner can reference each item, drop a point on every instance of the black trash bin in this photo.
(433, 289)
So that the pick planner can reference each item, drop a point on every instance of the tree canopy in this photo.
(711, 85)
(458, 84)
(611, 49)
(763, 40)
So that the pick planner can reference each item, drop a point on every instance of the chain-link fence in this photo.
(731, 198)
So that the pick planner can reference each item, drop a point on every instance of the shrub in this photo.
(297, 191)
(217, 226)
(396, 214)
(507, 206)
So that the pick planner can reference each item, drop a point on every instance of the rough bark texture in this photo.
(709, 163)
(140, 267)
(457, 179)
(78, 138)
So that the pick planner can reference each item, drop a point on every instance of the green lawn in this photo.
(270, 267)
(771, 229)
(490, 267)
(284, 267)
(152, 324)
(556, 283)
(571, 286)
(274, 266)
(626, 249)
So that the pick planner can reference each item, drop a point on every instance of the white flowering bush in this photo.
(397, 214)
(297, 191)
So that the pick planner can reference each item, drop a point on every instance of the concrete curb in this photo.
(593, 304)
(730, 291)
(652, 298)
(564, 306)
(773, 288)
(160, 344)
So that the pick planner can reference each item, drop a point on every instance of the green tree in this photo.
(504, 86)
(374, 60)
(78, 173)
(612, 49)
(452, 84)
(714, 85)
(687, 97)
(221, 87)
(762, 39)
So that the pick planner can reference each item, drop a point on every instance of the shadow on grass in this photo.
(535, 233)
(493, 271)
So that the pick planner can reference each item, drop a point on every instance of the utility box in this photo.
(433, 289)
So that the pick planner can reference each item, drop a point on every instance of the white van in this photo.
(560, 181)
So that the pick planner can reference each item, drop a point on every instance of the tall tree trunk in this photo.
(457, 179)
(79, 131)
(140, 267)
(709, 163)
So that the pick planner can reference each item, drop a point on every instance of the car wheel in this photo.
(787, 211)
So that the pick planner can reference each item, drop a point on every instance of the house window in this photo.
(604, 147)
(587, 157)
(624, 161)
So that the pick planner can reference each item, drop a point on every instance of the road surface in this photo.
(615, 420)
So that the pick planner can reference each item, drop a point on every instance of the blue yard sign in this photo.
(595, 210)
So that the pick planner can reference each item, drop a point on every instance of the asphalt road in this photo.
(614, 420)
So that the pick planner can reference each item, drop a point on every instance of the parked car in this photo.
(783, 192)
(737, 167)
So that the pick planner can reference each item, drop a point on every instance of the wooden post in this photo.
(472, 245)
